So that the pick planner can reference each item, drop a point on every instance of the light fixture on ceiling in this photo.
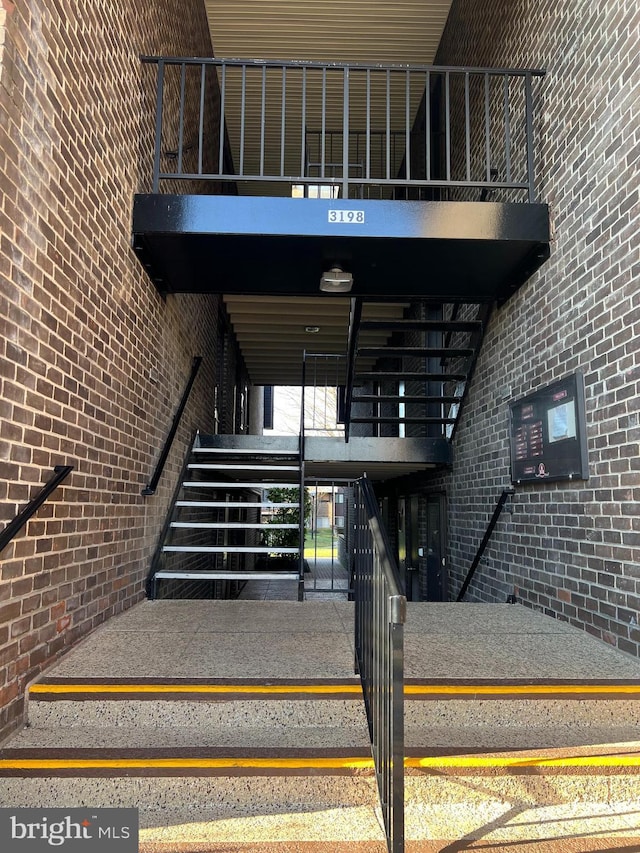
(336, 280)
(312, 330)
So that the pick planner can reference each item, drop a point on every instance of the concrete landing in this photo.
(314, 639)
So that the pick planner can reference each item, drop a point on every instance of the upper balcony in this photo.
(418, 181)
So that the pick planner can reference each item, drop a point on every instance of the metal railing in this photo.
(506, 494)
(61, 472)
(358, 130)
(152, 485)
(380, 610)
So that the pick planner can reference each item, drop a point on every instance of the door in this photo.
(435, 585)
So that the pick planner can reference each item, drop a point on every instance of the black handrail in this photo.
(506, 493)
(61, 472)
(152, 485)
(380, 612)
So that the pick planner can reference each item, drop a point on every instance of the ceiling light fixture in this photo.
(336, 280)
(312, 330)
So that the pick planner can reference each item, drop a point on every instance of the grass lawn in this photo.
(322, 544)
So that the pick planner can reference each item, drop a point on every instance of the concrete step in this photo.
(520, 705)
(198, 704)
(285, 765)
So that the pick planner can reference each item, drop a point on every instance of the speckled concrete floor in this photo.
(314, 639)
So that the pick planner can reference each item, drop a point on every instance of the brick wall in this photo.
(92, 361)
(569, 549)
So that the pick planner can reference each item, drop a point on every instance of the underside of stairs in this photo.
(416, 381)
(225, 526)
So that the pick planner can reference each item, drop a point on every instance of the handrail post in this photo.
(301, 451)
(158, 136)
(528, 101)
(345, 134)
(152, 485)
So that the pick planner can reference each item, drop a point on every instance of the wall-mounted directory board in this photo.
(548, 434)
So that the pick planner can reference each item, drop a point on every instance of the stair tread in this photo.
(282, 739)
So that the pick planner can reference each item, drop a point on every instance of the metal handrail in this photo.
(152, 485)
(506, 494)
(446, 121)
(380, 612)
(61, 472)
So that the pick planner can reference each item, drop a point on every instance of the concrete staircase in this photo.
(281, 761)
(207, 764)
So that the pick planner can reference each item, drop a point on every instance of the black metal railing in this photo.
(152, 485)
(380, 610)
(357, 131)
(61, 472)
(506, 494)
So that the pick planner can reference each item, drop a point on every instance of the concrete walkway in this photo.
(314, 639)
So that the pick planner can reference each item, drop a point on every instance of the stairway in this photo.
(230, 725)
(238, 726)
(415, 383)
(522, 766)
(222, 526)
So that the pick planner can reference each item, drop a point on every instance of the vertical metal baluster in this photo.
(447, 129)
(427, 126)
(203, 70)
(388, 127)
(487, 126)
(183, 74)
(158, 143)
(283, 118)
(467, 125)
(407, 124)
(223, 92)
(368, 128)
(263, 105)
(345, 133)
(529, 125)
(243, 106)
(507, 128)
(323, 122)
(303, 142)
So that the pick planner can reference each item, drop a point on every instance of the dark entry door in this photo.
(408, 545)
(435, 586)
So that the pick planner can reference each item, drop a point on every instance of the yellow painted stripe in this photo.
(353, 689)
(292, 763)
(507, 762)
(186, 763)
(259, 689)
(518, 689)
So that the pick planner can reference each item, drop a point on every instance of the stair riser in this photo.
(551, 713)
(199, 714)
(219, 796)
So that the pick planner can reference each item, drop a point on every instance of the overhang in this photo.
(281, 246)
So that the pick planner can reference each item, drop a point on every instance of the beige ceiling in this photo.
(271, 330)
(272, 334)
(379, 31)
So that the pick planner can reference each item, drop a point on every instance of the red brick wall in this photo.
(92, 361)
(570, 549)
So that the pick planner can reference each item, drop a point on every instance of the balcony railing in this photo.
(263, 127)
